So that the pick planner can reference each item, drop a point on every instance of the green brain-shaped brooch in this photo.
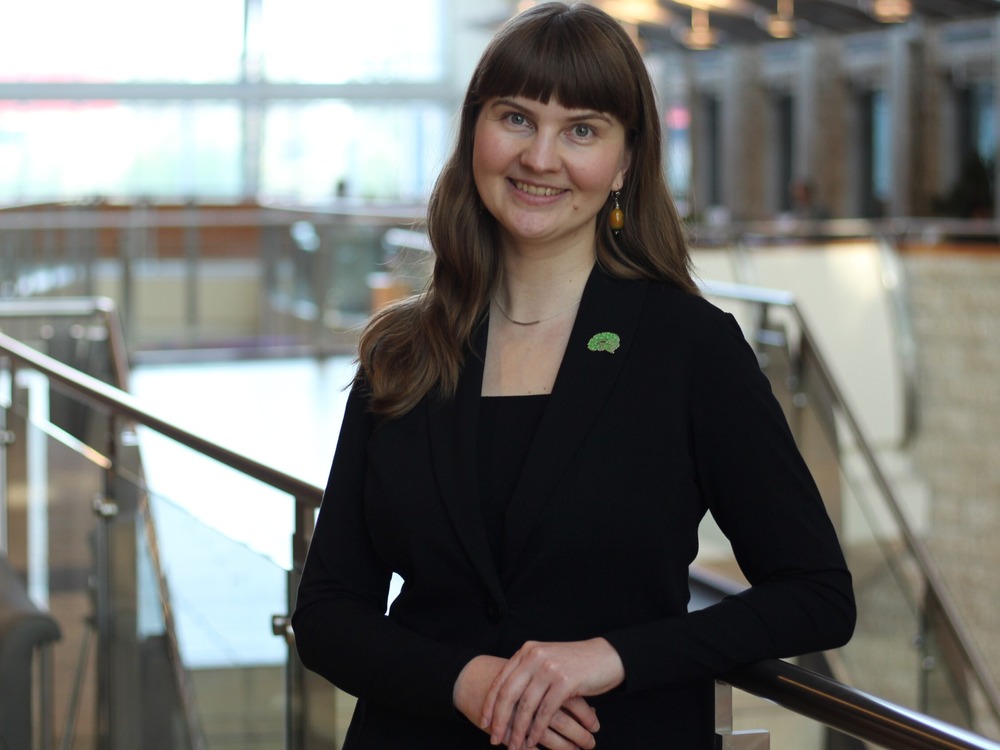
(604, 342)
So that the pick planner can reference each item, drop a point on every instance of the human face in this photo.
(544, 171)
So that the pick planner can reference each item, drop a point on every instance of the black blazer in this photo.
(633, 448)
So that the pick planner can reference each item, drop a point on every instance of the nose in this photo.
(541, 153)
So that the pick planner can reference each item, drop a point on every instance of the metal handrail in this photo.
(125, 405)
(90, 389)
(921, 228)
(931, 577)
(93, 216)
(85, 216)
(852, 711)
(77, 307)
(905, 339)
(886, 237)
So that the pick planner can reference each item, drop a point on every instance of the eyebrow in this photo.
(587, 114)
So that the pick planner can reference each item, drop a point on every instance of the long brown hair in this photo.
(584, 59)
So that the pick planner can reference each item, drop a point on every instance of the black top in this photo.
(635, 445)
(507, 425)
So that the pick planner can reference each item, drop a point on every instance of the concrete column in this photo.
(941, 140)
(705, 149)
(742, 135)
(905, 125)
(996, 115)
(807, 92)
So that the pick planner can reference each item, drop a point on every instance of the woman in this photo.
(532, 443)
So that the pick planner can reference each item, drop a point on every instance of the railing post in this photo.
(297, 727)
(6, 438)
(104, 509)
(192, 251)
(725, 737)
(120, 720)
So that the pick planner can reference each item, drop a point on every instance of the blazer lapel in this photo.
(452, 427)
(585, 379)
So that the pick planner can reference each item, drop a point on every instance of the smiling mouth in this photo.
(535, 189)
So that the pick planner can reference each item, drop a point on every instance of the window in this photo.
(784, 145)
(876, 153)
(120, 40)
(135, 144)
(341, 41)
(315, 150)
(170, 150)
(678, 137)
(977, 121)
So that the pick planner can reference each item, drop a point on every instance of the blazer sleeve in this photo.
(341, 628)
(758, 488)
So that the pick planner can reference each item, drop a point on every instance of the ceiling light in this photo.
(781, 25)
(724, 5)
(636, 11)
(890, 11)
(701, 35)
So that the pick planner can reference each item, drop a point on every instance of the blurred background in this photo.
(202, 201)
(860, 108)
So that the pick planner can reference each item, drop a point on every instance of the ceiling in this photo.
(745, 21)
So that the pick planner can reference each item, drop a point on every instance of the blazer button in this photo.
(493, 612)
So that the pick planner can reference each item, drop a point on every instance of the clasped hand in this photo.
(537, 697)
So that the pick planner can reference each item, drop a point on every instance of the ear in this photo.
(626, 162)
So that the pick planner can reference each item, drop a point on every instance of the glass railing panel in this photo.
(80, 535)
(208, 276)
(223, 594)
(896, 652)
(890, 654)
(785, 728)
(225, 546)
(306, 398)
(52, 534)
(883, 657)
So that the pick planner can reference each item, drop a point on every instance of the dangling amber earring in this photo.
(617, 218)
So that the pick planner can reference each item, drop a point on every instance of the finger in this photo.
(508, 705)
(570, 728)
(549, 713)
(583, 712)
(489, 702)
(527, 723)
(552, 740)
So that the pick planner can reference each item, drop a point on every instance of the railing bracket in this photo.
(281, 626)
(104, 507)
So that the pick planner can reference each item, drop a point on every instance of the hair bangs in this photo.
(578, 64)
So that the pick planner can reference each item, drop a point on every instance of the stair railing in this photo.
(968, 668)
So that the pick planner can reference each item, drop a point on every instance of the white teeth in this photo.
(534, 190)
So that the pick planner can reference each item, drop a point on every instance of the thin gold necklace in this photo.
(531, 322)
